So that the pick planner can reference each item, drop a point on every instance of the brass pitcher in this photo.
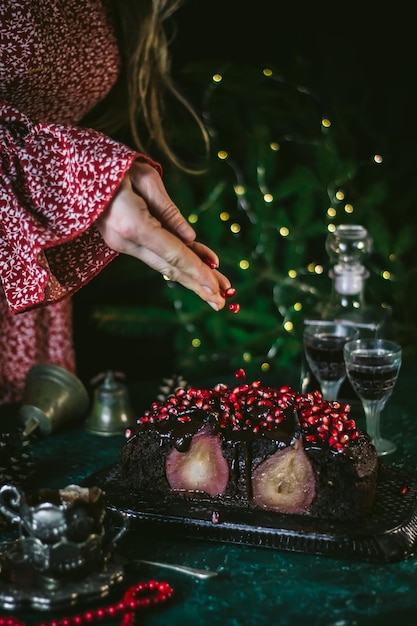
(111, 412)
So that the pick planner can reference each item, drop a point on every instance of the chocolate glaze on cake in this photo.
(253, 446)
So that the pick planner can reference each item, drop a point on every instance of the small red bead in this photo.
(131, 604)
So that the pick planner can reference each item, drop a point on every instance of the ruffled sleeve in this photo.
(55, 181)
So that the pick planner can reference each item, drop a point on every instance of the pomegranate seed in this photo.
(229, 292)
(240, 373)
(234, 307)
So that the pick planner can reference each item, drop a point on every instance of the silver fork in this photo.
(202, 574)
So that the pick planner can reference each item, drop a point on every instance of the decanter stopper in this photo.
(347, 247)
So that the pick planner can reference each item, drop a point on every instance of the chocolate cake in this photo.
(253, 446)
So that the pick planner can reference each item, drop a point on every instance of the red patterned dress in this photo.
(58, 59)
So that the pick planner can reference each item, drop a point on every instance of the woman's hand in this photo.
(142, 221)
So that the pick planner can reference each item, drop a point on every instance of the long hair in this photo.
(139, 99)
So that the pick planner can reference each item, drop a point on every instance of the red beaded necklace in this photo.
(133, 599)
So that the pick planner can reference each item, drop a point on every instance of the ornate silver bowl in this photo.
(61, 531)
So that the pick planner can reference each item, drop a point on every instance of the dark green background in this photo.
(361, 66)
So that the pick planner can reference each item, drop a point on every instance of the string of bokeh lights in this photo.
(338, 208)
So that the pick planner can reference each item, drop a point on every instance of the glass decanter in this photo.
(347, 247)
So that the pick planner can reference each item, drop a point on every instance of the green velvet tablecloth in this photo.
(258, 586)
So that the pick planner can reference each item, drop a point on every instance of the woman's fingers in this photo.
(205, 253)
(128, 227)
(181, 265)
(148, 184)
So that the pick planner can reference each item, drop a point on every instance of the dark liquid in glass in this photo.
(325, 355)
(372, 377)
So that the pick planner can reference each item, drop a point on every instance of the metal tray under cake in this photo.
(389, 534)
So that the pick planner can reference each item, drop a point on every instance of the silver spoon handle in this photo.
(202, 574)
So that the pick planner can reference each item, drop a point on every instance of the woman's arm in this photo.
(56, 181)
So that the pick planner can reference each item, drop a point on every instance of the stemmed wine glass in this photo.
(372, 366)
(323, 345)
